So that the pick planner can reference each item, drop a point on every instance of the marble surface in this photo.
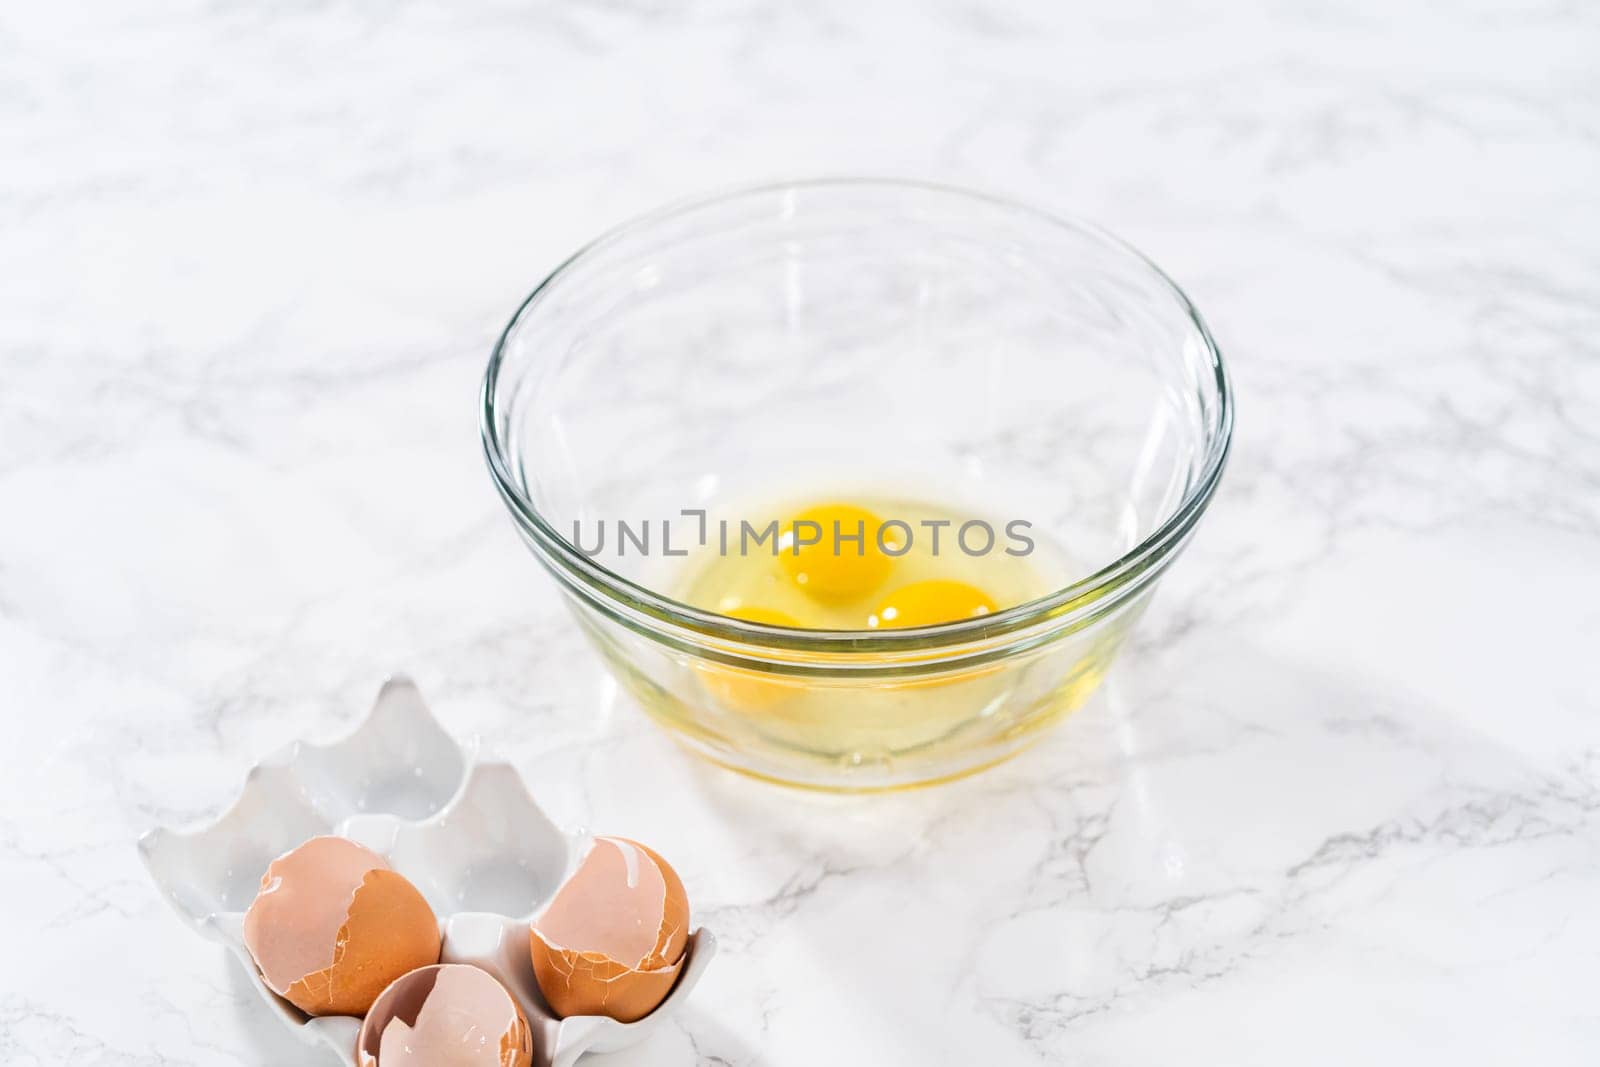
(1340, 804)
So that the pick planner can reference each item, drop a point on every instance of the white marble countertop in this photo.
(1342, 802)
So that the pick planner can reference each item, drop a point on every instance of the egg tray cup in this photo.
(467, 834)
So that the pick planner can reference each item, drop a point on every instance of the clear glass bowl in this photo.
(880, 332)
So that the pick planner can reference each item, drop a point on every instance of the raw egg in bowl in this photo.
(857, 484)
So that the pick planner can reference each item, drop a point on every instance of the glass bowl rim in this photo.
(1084, 596)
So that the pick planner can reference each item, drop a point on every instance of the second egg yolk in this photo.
(741, 688)
(763, 616)
(929, 603)
(831, 551)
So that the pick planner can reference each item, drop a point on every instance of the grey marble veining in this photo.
(1341, 802)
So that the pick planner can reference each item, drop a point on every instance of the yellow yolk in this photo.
(808, 552)
(931, 602)
(750, 691)
(763, 616)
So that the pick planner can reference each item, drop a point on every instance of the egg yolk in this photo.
(931, 602)
(741, 688)
(831, 551)
(763, 616)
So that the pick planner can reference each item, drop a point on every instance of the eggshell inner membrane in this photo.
(613, 905)
(292, 927)
(453, 1016)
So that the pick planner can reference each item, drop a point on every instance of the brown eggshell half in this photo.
(336, 908)
(611, 941)
(447, 1015)
(587, 983)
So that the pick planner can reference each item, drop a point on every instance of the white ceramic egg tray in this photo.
(466, 834)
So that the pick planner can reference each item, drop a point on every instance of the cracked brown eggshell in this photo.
(333, 925)
(447, 1015)
(612, 939)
